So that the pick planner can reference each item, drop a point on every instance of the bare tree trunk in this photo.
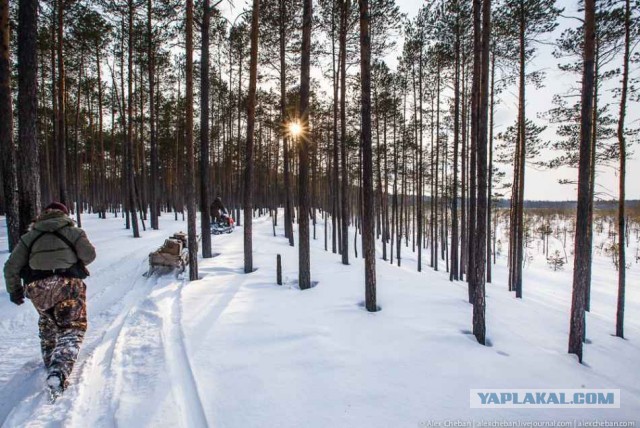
(522, 143)
(623, 160)
(7, 144)
(453, 273)
(582, 241)
(304, 205)
(101, 158)
(28, 157)
(335, 199)
(344, 22)
(190, 164)
(62, 128)
(155, 205)
(130, 153)
(205, 170)
(251, 119)
(490, 171)
(368, 214)
(288, 206)
(475, 110)
(479, 324)
(76, 176)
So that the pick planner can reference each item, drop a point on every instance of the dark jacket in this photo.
(48, 252)
(217, 209)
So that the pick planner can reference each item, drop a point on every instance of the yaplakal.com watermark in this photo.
(498, 423)
(544, 398)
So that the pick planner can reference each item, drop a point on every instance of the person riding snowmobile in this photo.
(218, 211)
(48, 267)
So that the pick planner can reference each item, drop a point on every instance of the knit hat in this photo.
(57, 206)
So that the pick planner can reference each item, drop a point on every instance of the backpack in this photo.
(77, 270)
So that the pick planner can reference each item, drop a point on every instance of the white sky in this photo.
(541, 185)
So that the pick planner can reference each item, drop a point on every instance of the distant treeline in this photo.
(567, 205)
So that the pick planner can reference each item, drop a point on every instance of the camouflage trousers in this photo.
(61, 304)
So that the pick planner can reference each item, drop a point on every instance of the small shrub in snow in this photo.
(556, 261)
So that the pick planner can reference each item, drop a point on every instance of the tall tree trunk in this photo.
(190, 164)
(479, 324)
(76, 176)
(62, 128)
(155, 205)
(28, 157)
(344, 193)
(490, 170)
(463, 188)
(131, 185)
(7, 145)
(54, 102)
(592, 165)
(453, 273)
(582, 238)
(335, 195)
(436, 176)
(304, 205)
(288, 206)
(205, 170)
(522, 153)
(475, 110)
(101, 158)
(623, 160)
(251, 119)
(368, 214)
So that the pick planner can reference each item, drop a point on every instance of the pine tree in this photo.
(304, 203)
(522, 21)
(190, 164)
(7, 145)
(28, 150)
(582, 252)
(622, 263)
(368, 215)
(249, 162)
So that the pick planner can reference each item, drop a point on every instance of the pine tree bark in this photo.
(7, 144)
(490, 170)
(205, 169)
(582, 238)
(479, 323)
(522, 143)
(76, 162)
(335, 194)
(102, 181)
(368, 214)
(62, 128)
(475, 110)
(155, 204)
(288, 206)
(28, 157)
(131, 189)
(453, 273)
(345, 7)
(190, 164)
(304, 202)
(251, 118)
(622, 144)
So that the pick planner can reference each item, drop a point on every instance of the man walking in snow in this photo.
(50, 260)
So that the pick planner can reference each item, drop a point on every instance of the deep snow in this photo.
(236, 350)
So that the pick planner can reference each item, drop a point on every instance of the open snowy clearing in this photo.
(236, 350)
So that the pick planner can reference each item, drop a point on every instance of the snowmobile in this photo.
(226, 224)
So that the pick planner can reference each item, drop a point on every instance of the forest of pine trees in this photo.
(296, 107)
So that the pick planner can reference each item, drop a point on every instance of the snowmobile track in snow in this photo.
(179, 366)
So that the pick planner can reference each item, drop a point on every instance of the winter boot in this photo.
(55, 383)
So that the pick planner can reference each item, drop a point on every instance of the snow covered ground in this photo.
(236, 350)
